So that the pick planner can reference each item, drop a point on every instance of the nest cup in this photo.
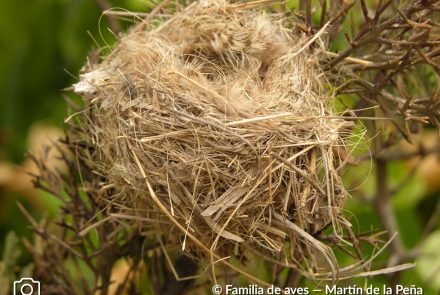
(212, 131)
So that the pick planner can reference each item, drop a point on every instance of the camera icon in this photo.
(26, 286)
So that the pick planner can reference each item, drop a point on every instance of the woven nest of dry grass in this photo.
(212, 131)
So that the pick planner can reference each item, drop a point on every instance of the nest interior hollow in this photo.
(213, 130)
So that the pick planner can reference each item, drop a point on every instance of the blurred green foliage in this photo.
(41, 43)
(9, 263)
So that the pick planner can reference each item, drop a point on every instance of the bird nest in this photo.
(212, 131)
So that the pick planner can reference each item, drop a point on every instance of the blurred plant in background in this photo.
(44, 43)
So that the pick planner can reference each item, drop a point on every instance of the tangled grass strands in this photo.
(215, 124)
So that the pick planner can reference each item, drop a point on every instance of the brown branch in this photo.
(386, 215)
(403, 155)
(113, 22)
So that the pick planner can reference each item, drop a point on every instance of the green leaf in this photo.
(428, 264)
